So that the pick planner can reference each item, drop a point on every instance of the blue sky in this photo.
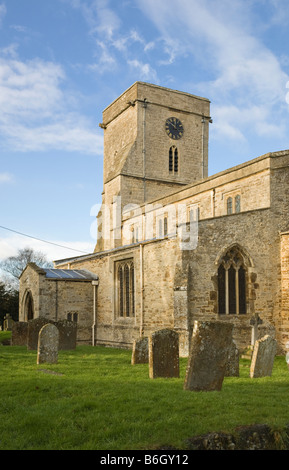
(63, 61)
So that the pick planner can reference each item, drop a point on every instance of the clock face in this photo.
(174, 128)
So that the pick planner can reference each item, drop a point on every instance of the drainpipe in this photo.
(56, 300)
(141, 332)
(203, 140)
(213, 202)
(95, 285)
(144, 105)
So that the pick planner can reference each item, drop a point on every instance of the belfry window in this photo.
(173, 160)
(232, 284)
(125, 285)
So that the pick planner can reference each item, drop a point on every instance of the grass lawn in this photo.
(95, 399)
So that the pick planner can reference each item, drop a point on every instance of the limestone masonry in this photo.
(174, 245)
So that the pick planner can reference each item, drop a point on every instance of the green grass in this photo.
(5, 335)
(98, 400)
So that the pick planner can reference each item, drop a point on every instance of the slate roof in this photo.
(70, 274)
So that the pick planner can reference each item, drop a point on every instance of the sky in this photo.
(62, 62)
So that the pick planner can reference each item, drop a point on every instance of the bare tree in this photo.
(14, 265)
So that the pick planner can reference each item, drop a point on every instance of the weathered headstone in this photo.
(164, 354)
(67, 334)
(34, 327)
(19, 333)
(210, 345)
(8, 322)
(232, 366)
(140, 351)
(263, 357)
(48, 344)
(255, 322)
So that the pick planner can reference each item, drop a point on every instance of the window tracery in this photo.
(173, 160)
(232, 283)
(125, 301)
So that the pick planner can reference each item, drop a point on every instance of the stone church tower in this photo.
(155, 142)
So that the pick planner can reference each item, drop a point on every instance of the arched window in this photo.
(233, 204)
(120, 291)
(173, 160)
(176, 161)
(160, 228)
(165, 226)
(232, 283)
(238, 204)
(125, 289)
(229, 206)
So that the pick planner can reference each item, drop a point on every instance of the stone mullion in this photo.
(237, 290)
(227, 288)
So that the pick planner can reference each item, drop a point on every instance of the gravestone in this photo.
(209, 351)
(140, 351)
(255, 322)
(34, 327)
(48, 344)
(19, 333)
(67, 334)
(164, 354)
(232, 366)
(8, 322)
(263, 357)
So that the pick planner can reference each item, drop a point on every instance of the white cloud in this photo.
(145, 71)
(6, 178)
(115, 44)
(36, 111)
(101, 19)
(66, 134)
(220, 37)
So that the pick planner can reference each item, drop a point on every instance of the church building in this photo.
(174, 244)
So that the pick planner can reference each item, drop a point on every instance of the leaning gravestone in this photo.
(232, 366)
(48, 344)
(140, 351)
(263, 357)
(164, 354)
(210, 345)
(19, 333)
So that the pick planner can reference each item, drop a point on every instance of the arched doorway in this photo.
(28, 307)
